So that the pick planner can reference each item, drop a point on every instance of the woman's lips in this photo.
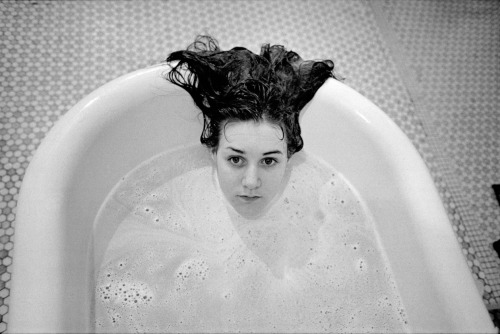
(248, 199)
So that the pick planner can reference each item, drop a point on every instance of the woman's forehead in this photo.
(253, 134)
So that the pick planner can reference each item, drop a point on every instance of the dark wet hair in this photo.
(240, 85)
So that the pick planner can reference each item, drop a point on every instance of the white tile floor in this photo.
(433, 66)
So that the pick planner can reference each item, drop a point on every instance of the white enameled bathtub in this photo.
(139, 115)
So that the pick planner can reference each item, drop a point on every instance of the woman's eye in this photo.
(237, 161)
(269, 161)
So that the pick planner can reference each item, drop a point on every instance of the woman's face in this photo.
(251, 161)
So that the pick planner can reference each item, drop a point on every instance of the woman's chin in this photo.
(252, 210)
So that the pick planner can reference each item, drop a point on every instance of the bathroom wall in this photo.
(433, 66)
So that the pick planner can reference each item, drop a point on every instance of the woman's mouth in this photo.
(248, 199)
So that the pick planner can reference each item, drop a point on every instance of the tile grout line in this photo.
(442, 161)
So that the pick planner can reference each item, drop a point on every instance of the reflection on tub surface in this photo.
(183, 260)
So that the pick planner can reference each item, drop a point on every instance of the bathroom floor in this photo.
(433, 66)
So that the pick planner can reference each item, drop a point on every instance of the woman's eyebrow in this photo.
(273, 152)
(243, 152)
(236, 150)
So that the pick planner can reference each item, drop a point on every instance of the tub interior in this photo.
(140, 115)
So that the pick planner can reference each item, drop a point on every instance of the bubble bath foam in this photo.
(182, 260)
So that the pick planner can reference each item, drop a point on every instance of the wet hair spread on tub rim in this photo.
(240, 85)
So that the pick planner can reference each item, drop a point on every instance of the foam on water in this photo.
(182, 260)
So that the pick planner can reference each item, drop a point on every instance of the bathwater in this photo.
(182, 260)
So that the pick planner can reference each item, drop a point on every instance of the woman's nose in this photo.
(251, 179)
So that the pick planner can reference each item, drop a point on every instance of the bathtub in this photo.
(139, 115)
